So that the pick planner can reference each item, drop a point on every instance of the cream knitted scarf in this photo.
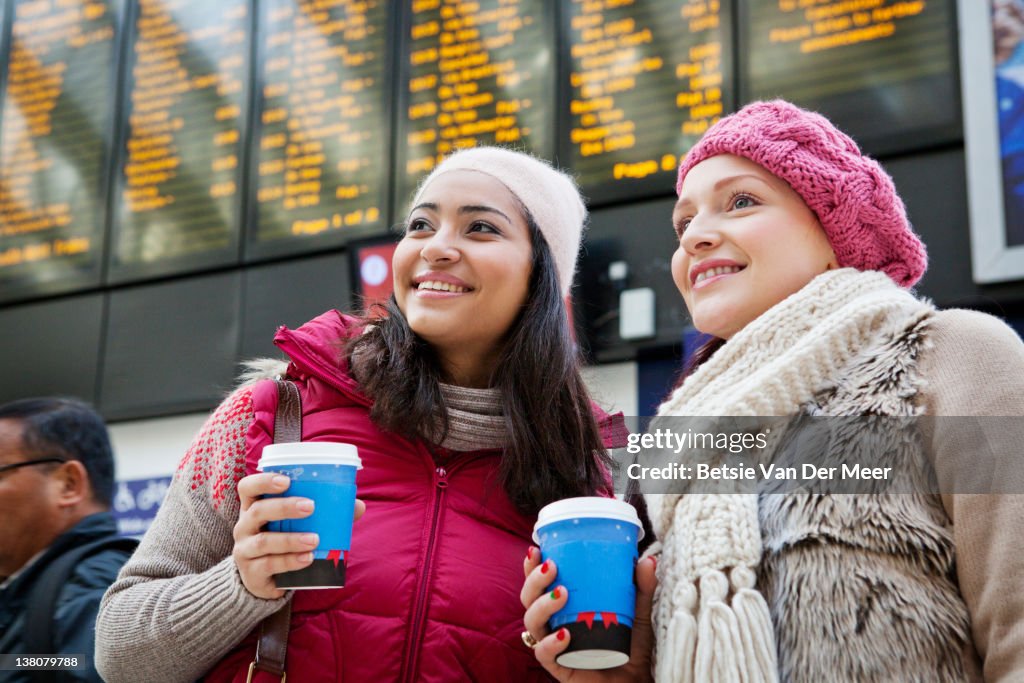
(711, 623)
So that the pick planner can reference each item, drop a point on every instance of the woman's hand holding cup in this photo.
(260, 554)
(542, 596)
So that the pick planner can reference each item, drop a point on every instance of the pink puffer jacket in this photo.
(435, 567)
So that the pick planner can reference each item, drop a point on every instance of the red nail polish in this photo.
(561, 634)
(544, 567)
(529, 554)
(557, 593)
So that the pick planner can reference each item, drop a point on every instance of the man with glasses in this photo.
(56, 483)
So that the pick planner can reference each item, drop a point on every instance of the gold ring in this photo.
(528, 640)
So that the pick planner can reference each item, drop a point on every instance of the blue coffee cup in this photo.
(325, 473)
(593, 542)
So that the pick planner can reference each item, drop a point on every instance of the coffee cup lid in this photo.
(587, 506)
(310, 453)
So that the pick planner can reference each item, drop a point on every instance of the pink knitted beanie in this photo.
(551, 197)
(854, 199)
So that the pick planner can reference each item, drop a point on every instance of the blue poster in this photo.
(1008, 41)
(136, 503)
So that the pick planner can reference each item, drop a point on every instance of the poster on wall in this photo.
(992, 61)
(136, 502)
(371, 269)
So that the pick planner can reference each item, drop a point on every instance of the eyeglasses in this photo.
(39, 461)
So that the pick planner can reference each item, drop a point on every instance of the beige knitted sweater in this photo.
(976, 368)
(179, 604)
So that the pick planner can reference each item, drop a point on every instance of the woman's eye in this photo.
(743, 202)
(485, 228)
(417, 225)
(681, 226)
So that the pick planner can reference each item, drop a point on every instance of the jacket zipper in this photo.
(412, 646)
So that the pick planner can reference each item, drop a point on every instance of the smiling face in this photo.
(746, 242)
(462, 271)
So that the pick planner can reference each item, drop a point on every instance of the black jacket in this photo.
(77, 604)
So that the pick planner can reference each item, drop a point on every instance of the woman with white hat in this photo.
(466, 404)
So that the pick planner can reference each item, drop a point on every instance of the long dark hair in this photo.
(554, 447)
(700, 356)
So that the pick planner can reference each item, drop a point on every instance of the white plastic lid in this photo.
(310, 453)
(587, 506)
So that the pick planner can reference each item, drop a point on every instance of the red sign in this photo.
(375, 281)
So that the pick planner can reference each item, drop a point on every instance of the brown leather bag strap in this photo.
(288, 420)
(272, 647)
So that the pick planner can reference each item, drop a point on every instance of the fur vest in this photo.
(862, 587)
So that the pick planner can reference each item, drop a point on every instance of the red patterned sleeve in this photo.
(216, 458)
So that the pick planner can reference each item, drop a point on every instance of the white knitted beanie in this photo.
(551, 197)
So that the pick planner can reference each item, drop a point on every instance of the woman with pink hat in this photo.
(795, 253)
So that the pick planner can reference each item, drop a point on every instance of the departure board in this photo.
(55, 133)
(321, 148)
(646, 79)
(884, 71)
(474, 73)
(178, 199)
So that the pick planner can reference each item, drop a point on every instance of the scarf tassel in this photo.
(724, 643)
(755, 625)
(675, 661)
